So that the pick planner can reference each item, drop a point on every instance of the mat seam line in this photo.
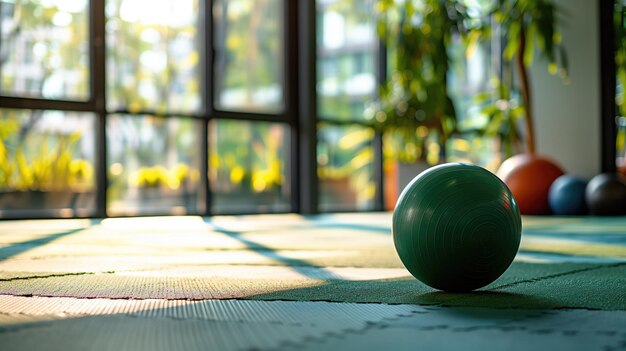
(50, 276)
(534, 280)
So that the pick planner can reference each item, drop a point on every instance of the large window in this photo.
(153, 165)
(44, 49)
(182, 111)
(47, 154)
(347, 61)
(248, 169)
(249, 45)
(153, 56)
(153, 92)
(46, 162)
(128, 107)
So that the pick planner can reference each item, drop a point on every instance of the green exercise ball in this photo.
(456, 227)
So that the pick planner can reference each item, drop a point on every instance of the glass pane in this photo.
(46, 163)
(346, 46)
(248, 167)
(44, 50)
(153, 56)
(345, 159)
(153, 165)
(468, 76)
(249, 55)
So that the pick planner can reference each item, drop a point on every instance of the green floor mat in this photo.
(574, 262)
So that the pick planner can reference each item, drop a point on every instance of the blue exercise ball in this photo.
(567, 196)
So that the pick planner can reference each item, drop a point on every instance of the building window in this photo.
(347, 49)
(46, 43)
(192, 107)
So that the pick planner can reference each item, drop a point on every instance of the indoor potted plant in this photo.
(414, 109)
(530, 28)
(45, 176)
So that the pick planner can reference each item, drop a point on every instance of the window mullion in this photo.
(98, 97)
(307, 108)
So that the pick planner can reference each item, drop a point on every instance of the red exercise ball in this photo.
(529, 177)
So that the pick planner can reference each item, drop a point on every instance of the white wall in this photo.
(567, 117)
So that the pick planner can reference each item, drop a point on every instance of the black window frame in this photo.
(300, 104)
(297, 115)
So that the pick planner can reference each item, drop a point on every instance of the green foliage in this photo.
(248, 55)
(345, 156)
(414, 102)
(138, 38)
(49, 166)
(351, 154)
(535, 22)
(501, 113)
(251, 52)
(340, 64)
(247, 156)
(58, 48)
(159, 176)
(530, 30)
(416, 95)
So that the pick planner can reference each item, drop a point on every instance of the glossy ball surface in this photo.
(529, 177)
(456, 227)
(606, 195)
(567, 196)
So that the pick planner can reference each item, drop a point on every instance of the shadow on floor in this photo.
(23, 246)
(406, 291)
(487, 299)
(298, 265)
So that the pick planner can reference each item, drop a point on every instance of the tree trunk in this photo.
(443, 140)
(525, 87)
